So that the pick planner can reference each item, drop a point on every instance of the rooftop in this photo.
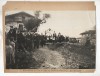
(17, 14)
(89, 32)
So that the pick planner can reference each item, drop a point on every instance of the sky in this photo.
(68, 23)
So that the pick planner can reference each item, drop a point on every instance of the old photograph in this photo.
(38, 39)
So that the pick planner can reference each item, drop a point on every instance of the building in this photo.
(90, 34)
(17, 19)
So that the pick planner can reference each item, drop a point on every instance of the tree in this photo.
(33, 23)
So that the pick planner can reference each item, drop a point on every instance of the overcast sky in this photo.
(68, 23)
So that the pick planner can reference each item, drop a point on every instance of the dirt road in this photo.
(50, 59)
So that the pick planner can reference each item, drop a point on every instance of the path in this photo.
(50, 59)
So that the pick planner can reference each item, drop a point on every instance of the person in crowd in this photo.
(21, 50)
(29, 41)
(59, 37)
(10, 33)
(14, 33)
(87, 44)
(9, 54)
(20, 41)
(66, 39)
(36, 41)
(54, 37)
(12, 43)
(42, 40)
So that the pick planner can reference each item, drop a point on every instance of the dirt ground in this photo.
(50, 59)
(58, 56)
(65, 56)
(76, 56)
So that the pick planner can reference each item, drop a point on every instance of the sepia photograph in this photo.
(50, 39)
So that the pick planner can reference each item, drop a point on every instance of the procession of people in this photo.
(18, 42)
(21, 44)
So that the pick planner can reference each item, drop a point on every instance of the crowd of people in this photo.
(22, 41)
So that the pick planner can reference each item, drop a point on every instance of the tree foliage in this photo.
(34, 23)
